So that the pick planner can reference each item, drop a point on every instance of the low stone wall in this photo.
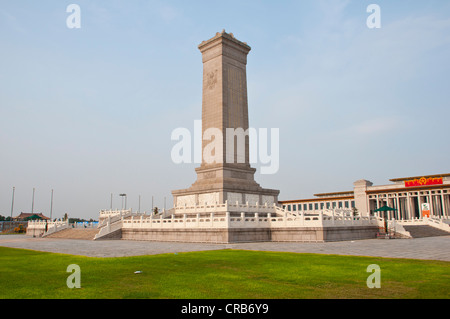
(117, 234)
(237, 235)
(298, 234)
(35, 232)
(350, 233)
(245, 235)
(203, 235)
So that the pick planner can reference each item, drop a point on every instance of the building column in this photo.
(419, 201)
(378, 205)
(444, 208)
(360, 196)
(397, 207)
(430, 196)
(447, 205)
(408, 205)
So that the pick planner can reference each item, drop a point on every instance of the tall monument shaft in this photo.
(225, 173)
(224, 103)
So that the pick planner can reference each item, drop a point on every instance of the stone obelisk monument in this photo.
(229, 177)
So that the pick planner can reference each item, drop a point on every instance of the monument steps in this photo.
(75, 233)
(420, 231)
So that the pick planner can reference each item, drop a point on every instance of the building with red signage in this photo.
(411, 197)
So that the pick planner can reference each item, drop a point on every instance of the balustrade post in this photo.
(108, 224)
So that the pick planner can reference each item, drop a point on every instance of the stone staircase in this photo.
(419, 231)
(75, 233)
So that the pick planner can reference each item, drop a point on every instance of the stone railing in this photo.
(226, 207)
(245, 221)
(167, 213)
(115, 214)
(56, 226)
(108, 228)
(43, 228)
(439, 223)
(432, 221)
(112, 216)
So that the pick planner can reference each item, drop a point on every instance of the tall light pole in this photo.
(124, 195)
(32, 203)
(12, 208)
(51, 206)
(111, 202)
(139, 208)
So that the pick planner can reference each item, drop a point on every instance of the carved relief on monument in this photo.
(208, 198)
(232, 198)
(267, 199)
(188, 200)
(251, 199)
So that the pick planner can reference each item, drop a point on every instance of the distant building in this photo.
(412, 197)
(30, 216)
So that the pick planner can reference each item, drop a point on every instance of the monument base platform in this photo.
(242, 235)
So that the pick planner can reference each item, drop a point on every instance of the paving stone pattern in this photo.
(432, 248)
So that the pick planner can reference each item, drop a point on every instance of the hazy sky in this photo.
(89, 112)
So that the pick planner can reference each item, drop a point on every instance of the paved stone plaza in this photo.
(432, 248)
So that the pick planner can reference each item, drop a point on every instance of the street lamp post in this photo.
(51, 206)
(139, 207)
(12, 208)
(32, 203)
(124, 195)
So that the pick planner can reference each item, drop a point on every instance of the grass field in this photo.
(225, 274)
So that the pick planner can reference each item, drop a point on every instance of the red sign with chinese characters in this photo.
(424, 181)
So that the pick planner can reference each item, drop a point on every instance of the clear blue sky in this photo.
(89, 112)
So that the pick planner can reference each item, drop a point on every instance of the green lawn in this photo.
(225, 274)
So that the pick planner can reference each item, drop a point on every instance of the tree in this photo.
(155, 211)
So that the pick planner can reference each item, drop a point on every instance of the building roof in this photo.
(401, 179)
(319, 199)
(27, 215)
(378, 189)
(347, 193)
